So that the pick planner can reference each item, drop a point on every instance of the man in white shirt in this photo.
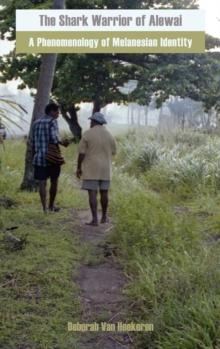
(96, 149)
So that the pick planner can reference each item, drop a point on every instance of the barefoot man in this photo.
(45, 131)
(96, 149)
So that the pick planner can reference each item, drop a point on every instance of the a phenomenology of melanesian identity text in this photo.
(103, 31)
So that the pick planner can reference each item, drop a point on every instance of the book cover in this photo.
(109, 174)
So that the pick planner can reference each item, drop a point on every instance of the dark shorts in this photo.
(95, 184)
(42, 173)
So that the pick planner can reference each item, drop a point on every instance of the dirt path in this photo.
(101, 287)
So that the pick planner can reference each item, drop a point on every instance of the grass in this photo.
(165, 204)
(38, 293)
(166, 209)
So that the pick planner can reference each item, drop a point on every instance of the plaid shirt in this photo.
(44, 131)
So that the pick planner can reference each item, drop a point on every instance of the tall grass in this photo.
(190, 162)
(165, 204)
(38, 295)
(172, 260)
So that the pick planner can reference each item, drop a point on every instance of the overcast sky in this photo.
(212, 10)
(211, 7)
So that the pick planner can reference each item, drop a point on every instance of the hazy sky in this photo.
(212, 10)
(211, 7)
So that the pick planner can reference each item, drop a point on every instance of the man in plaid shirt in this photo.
(44, 132)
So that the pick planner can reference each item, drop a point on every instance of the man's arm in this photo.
(82, 153)
(114, 146)
(54, 133)
(79, 165)
(65, 143)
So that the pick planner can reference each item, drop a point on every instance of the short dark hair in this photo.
(51, 107)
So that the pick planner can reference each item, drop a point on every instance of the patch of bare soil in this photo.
(101, 289)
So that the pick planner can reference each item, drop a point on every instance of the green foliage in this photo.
(168, 247)
(90, 77)
(7, 14)
(37, 290)
(139, 159)
(99, 78)
(195, 76)
(186, 163)
(148, 157)
(170, 252)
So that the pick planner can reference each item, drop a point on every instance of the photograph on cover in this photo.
(109, 174)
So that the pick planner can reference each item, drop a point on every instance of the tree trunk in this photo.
(217, 118)
(183, 120)
(128, 114)
(132, 115)
(203, 119)
(45, 83)
(70, 115)
(42, 98)
(97, 105)
(160, 119)
(146, 116)
(139, 116)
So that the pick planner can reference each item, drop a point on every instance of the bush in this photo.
(173, 275)
(189, 166)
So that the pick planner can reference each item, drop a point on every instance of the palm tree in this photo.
(11, 113)
(45, 83)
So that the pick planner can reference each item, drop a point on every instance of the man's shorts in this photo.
(42, 173)
(95, 184)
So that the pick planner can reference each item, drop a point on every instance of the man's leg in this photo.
(53, 193)
(43, 193)
(93, 206)
(53, 173)
(104, 205)
(40, 174)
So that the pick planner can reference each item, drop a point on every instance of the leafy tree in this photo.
(185, 112)
(196, 76)
(97, 77)
(7, 14)
(45, 83)
(98, 82)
